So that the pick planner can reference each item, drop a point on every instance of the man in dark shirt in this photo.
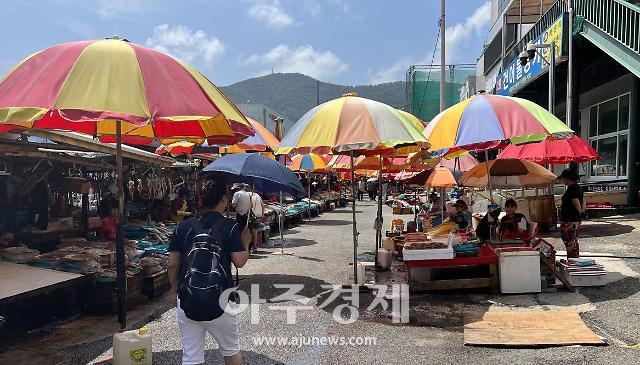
(235, 241)
(571, 210)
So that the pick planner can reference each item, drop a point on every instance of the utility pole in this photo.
(443, 89)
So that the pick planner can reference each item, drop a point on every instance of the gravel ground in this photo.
(323, 249)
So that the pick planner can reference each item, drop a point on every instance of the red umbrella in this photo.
(559, 151)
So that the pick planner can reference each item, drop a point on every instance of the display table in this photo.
(486, 256)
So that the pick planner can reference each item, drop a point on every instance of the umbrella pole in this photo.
(443, 204)
(486, 157)
(121, 278)
(355, 229)
(281, 225)
(379, 215)
(309, 187)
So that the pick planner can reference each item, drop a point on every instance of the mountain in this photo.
(293, 94)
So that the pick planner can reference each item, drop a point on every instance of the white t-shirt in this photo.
(256, 205)
(242, 202)
(362, 186)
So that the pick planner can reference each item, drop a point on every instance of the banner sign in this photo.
(515, 76)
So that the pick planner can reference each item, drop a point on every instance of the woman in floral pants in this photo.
(571, 211)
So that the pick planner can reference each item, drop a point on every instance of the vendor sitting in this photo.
(179, 207)
(462, 216)
(483, 231)
(513, 225)
(109, 225)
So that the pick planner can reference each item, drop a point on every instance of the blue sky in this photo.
(341, 41)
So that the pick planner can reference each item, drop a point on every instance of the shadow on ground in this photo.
(311, 287)
(330, 222)
(210, 357)
(298, 242)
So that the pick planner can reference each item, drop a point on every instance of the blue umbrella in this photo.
(269, 176)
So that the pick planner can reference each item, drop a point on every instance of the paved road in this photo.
(434, 335)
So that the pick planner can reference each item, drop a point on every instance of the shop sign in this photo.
(600, 188)
(515, 76)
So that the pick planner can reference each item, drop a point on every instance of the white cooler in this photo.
(520, 270)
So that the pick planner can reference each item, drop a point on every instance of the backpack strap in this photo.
(199, 228)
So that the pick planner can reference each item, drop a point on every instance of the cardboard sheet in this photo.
(527, 329)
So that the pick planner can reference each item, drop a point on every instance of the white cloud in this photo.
(321, 7)
(392, 73)
(185, 44)
(462, 46)
(461, 36)
(303, 59)
(271, 13)
(117, 9)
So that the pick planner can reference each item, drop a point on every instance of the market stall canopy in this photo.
(484, 121)
(269, 176)
(85, 86)
(508, 173)
(263, 140)
(462, 162)
(555, 152)
(351, 123)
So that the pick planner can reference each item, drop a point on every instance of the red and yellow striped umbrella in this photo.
(85, 86)
(352, 123)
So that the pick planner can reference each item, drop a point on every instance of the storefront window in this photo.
(609, 135)
(593, 124)
(607, 149)
(608, 117)
(622, 154)
(624, 112)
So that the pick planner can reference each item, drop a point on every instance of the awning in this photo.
(82, 141)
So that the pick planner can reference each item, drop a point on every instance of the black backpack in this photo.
(205, 277)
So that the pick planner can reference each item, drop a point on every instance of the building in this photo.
(598, 96)
(468, 88)
(265, 116)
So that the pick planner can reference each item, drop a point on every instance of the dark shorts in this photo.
(242, 221)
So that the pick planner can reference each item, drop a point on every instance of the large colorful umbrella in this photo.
(559, 151)
(507, 173)
(114, 88)
(308, 162)
(352, 124)
(85, 86)
(484, 120)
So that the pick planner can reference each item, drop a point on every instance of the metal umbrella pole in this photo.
(121, 274)
(379, 215)
(355, 229)
(309, 196)
(486, 157)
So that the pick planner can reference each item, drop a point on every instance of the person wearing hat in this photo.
(462, 216)
(572, 209)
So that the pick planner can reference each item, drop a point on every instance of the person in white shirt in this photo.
(362, 186)
(257, 209)
(241, 202)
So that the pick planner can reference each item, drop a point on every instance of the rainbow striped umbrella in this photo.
(484, 120)
(85, 86)
(351, 123)
(308, 162)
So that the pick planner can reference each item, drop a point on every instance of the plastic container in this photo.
(520, 271)
(132, 347)
(384, 258)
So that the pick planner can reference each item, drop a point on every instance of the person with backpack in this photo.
(200, 255)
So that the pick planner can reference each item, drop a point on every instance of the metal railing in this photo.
(617, 18)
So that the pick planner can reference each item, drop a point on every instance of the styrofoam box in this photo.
(428, 254)
(585, 280)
